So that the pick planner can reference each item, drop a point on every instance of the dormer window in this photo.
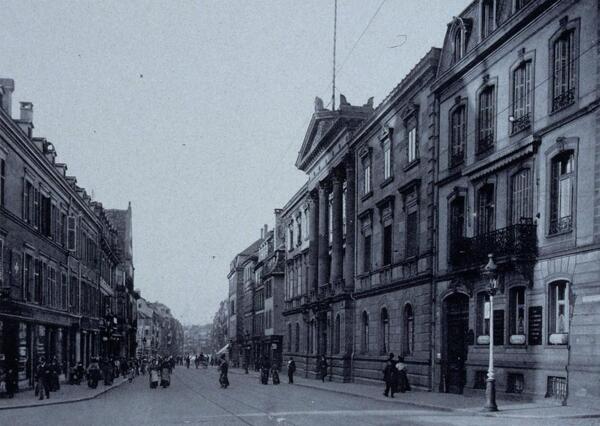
(488, 17)
(458, 45)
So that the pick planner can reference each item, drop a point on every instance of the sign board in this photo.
(536, 320)
(498, 327)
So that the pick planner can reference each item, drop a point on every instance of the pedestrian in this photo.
(275, 373)
(165, 373)
(54, 375)
(224, 369)
(264, 371)
(187, 361)
(153, 375)
(322, 367)
(402, 384)
(390, 376)
(42, 375)
(291, 369)
(107, 371)
(93, 374)
(12, 379)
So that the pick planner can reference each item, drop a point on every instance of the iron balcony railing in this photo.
(563, 100)
(516, 240)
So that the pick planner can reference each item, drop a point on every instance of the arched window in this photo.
(385, 331)
(364, 341)
(408, 346)
(289, 345)
(297, 346)
(337, 335)
(558, 312)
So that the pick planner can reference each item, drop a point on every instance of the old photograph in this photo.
(300, 212)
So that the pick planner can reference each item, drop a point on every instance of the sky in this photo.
(194, 111)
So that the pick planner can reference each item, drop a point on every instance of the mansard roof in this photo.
(507, 23)
(326, 124)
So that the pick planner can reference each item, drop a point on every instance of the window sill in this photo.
(387, 182)
(517, 340)
(559, 339)
(558, 234)
(412, 164)
(367, 196)
(521, 132)
(483, 340)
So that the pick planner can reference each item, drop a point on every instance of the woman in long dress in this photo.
(402, 377)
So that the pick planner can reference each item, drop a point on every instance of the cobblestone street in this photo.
(195, 398)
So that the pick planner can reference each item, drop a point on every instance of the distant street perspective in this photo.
(327, 212)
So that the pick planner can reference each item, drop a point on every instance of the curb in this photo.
(65, 401)
(464, 411)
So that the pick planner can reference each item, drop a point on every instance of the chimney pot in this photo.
(26, 112)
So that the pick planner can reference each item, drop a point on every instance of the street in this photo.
(194, 397)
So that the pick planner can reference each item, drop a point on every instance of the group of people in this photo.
(159, 372)
(106, 369)
(395, 376)
(198, 360)
(47, 377)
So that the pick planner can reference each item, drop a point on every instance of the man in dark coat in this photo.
(224, 369)
(42, 374)
(322, 366)
(390, 376)
(291, 370)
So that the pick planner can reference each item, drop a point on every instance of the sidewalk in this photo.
(66, 394)
(467, 404)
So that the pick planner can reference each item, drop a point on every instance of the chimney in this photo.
(50, 152)
(7, 87)
(26, 119)
(277, 234)
(62, 168)
(262, 233)
(266, 230)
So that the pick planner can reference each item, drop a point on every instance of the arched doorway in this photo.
(456, 324)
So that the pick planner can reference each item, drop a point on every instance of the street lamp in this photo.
(490, 271)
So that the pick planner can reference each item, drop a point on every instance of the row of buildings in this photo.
(158, 332)
(66, 262)
(488, 145)
(197, 339)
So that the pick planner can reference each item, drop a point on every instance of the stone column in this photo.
(313, 235)
(323, 233)
(350, 223)
(337, 256)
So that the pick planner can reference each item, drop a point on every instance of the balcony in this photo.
(513, 241)
(521, 123)
(563, 99)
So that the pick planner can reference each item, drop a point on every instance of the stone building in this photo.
(319, 291)
(518, 177)
(57, 254)
(394, 226)
(235, 317)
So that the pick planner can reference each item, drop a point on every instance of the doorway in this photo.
(456, 308)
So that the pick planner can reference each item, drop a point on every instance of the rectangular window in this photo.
(457, 228)
(344, 195)
(413, 145)
(412, 232)
(487, 119)
(483, 314)
(45, 215)
(72, 233)
(485, 209)
(559, 310)
(459, 135)
(63, 291)
(367, 254)
(2, 181)
(561, 193)
(367, 176)
(522, 93)
(517, 313)
(564, 71)
(27, 200)
(487, 18)
(387, 245)
(387, 159)
(521, 197)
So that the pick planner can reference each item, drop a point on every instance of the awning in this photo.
(223, 349)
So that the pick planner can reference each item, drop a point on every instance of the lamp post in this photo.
(490, 271)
